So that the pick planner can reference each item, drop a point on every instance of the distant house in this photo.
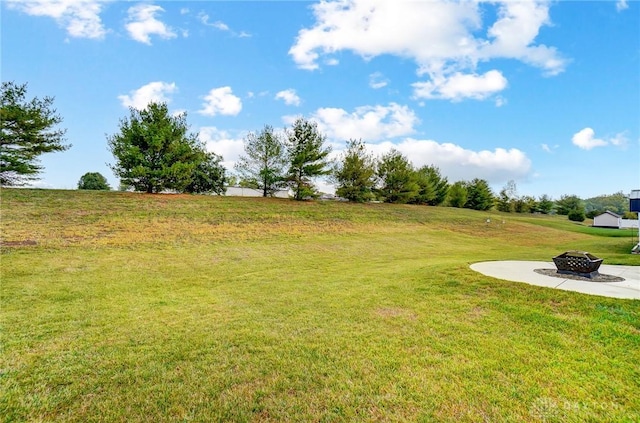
(607, 219)
(250, 192)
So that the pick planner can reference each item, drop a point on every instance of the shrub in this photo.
(576, 215)
(94, 181)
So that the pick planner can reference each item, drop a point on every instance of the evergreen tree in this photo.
(355, 173)
(479, 195)
(566, 203)
(458, 194)
(426, 189)
(209, 176)
(398, 181)
(27, 130)
(545, 204)
(154, 150)
(439, 183)
(307, 158)
(264, 161)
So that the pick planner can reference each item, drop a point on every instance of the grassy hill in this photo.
(131, 307)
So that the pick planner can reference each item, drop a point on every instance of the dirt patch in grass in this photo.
(391, 312)
(22, 243)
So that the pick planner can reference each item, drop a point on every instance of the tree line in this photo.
(154, 151)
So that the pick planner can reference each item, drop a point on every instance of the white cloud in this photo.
(81, 18)
(621, 5)
(619, 140)
(289, 97)
(514, 33)
(458, 163)
(549, 148)
(142, 23)
(458, 86)
(371, 123)
(204, 18)
(442, 37)
(152, 92)
(221, 101)
(586, 140)
(221, 26)
(223, 143)
(377, 81)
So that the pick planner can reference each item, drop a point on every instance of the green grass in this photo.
(580, 227)
(135, 307)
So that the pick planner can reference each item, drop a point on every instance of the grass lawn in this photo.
(131, 307)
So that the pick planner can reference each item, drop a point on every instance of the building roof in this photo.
(611, 213)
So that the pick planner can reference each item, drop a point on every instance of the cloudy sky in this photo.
(543, 93)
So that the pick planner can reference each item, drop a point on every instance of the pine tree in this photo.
(398, 180)
(27, 131)
(307, 158)
(263, 164)
(355, 173)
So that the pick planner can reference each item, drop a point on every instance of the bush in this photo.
(576, 215)
(94, 181)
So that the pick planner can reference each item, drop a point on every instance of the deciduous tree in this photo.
(617, 203)
(28, 130)
(505, 201)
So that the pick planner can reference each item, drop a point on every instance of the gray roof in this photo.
(611, 213)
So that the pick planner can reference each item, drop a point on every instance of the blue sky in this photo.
(543, 93)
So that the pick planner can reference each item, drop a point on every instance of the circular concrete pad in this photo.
(523, 271)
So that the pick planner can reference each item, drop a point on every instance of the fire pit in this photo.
(578, 263)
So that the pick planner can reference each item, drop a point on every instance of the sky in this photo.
(545, 94)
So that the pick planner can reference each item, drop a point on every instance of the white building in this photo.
(607, 219)
(250, 192)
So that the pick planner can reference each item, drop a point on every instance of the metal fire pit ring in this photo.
(581, 263)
